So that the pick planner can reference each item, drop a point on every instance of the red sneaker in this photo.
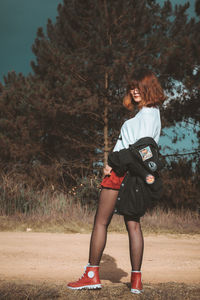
(89, 279)
(136, 283)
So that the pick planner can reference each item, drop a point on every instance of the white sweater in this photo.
(145, 123)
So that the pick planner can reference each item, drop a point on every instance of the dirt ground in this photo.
(60, 258)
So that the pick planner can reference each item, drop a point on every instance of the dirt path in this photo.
(60, 258)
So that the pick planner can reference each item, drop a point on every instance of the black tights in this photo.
(99, 233)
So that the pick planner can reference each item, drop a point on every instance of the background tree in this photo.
(197, 7)
(183, 108)
(93, 47)
(66, 117)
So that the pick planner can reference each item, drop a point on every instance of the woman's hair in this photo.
(149, 87)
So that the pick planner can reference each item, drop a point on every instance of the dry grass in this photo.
(165, 291)
(53, 211)
(80, 219)
(173, 221)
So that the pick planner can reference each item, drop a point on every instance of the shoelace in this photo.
(85, 268)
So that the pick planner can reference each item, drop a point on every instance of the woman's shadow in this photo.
(109, 269)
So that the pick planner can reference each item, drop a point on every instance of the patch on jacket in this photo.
(146, 153)
(152, 166)
(150, 179)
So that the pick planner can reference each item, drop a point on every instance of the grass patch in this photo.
(172, 221)
(25, 209)
(165, 291)
(79, 219)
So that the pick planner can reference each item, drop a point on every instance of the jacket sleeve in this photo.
(131, 160)
(123, 161)
(117, 163)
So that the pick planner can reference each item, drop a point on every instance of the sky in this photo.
(19, 21)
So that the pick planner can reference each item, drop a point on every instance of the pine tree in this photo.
(68, 114)
(197, 7)
(89, 53)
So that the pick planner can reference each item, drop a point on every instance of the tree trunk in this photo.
(106, 146)
(105, 118)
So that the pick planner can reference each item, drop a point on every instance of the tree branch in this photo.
(182, 154)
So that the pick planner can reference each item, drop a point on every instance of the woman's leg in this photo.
(90, 279)
(102, 219)
(136, 243)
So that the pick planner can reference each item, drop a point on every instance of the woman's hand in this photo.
(107, 170)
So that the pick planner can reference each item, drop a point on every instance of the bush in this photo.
(87, 191)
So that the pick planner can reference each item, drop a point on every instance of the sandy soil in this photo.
(59, 258)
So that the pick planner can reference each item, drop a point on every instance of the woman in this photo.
(145, 92)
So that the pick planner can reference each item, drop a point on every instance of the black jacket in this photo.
(138, 161)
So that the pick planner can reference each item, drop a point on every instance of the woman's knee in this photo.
(102, 221)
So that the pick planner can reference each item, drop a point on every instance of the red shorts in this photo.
(112, 181)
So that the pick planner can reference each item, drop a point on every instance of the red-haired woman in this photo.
(145, 92)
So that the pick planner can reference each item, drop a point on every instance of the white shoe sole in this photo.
(135, 291)
(93, 287)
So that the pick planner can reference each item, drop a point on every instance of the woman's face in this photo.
(136, 95)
